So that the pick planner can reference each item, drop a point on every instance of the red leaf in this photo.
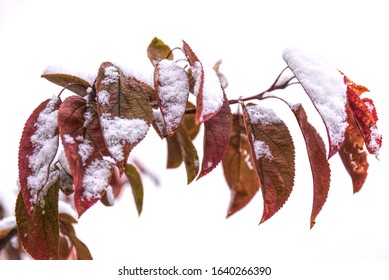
(84, 147)
(39, 233)
(353, 155)
(320, 168)
(172, 86)
(124, 109)
(207, 88)
(37, 149)
(273, 153)
(325, 87)
(238, 167)
(216, 137)
(365, 116)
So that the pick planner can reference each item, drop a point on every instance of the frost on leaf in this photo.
(324, 85)
(136, 185)
(353, 154)
(238, 166)
(157, 50)
(84, 148)
(320, 167)
(207, 88)
(365, 116)
(124, 110)
(39, 232)
(37, 149)
(172, 86)
(217, 133)
(273, 156)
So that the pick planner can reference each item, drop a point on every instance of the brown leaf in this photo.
(71, 82)
(82, 251)
(39, 233)
(37, 149)
(320, 167)
(353, 155)
(136, 186)
(207, 88)
(216, 137)
(124, 109)
(238, 167)
(157, 50)
(84, 147)
(273, 153)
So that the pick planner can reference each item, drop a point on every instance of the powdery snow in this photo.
(73, 71)
(45, 143)
(325, 86)
(85, 150)
(261, 115)
(212, 91)
(110, 196)
(118, 132)
(261, 149)
(375, 135)
(68, 139)
(159, 122)
(95, 179)
(111, 75)
(173, 91)
(103, 97)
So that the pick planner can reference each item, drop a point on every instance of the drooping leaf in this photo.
(320, 167)
(353, 155)
(207, 88)
(39, 232)
(216, 137)
(172, 87)
(136, 186)
(365, 115)
(325, 87)
(157, 50)
(181, 148)
(74, 83)
(84, 146)
(37, 149)
(238, 166)
(189, 122)
(124, 109)
(67, 229)
(273, 153)
(66, 184)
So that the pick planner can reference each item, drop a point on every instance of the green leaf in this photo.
(157, 50)
(273, 153)
(320, 167)
(238, 167)
(124, 109)
(136, 186)
(71, 82)
(39, 233)
(82, 250)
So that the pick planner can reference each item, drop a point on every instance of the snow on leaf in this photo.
(353, 155)
(37, 149)
(157, 50)
(324, 85)
(320, 167)
(172, 86)
(91, 173)
(71, 82)
(136, 186)
(365, 116)
(125, 111)
(39, 232)
(238, 168)
(6, 226)
(274, 161)
(207, 88)
(216, 136)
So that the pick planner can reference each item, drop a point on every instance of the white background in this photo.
(186, 224)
